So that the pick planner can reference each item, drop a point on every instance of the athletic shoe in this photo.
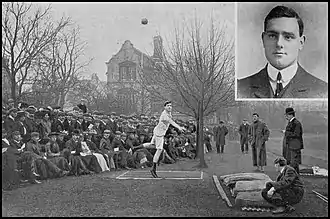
(154, 174)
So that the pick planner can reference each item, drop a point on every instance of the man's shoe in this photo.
(35, 174)
(34, 181)
(279, 210)
(289, 209)
(153, 173)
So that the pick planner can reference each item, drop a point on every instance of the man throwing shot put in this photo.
(159, 132)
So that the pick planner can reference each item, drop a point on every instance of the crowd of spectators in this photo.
(44, 143)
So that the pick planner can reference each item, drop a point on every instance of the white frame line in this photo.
(122, 174)
(155, 178)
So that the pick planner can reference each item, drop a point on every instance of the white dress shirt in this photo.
(287, 74)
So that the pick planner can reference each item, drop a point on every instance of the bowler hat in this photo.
(118, 133)
(289, 110)
(10, 101)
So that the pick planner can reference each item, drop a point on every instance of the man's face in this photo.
(13, 114)
(282, 42)
(288, 117)
(61, 137)
(53, 138)
(277, 167)
(22, 118)
(76, 137)
(106, 135)
(35, 138)
(168, 107)
(123, 137)
(255, 118)
(17, 137)
(244, 122)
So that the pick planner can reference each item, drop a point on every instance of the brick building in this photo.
(123, 73)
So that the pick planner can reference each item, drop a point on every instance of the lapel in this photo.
(297, 87)
(280, 176)
(261, 88)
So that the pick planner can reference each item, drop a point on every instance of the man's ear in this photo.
(302, 42)
(262, 38)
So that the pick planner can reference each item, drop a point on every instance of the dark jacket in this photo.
(118, 143)
(302, 85)
(220, 134)
(10, 125)
(288, 179)
(293, 135)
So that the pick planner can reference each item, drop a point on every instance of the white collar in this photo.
(287, 74)
(6, 140)
(291, 119)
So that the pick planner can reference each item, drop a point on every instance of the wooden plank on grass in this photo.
(221, 191)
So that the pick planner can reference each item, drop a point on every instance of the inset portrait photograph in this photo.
(282, 51)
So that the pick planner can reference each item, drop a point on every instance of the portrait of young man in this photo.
(286, 67)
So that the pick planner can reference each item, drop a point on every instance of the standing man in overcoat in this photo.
(220, 134)
(244, 131)
(293, 140)
(258, 135)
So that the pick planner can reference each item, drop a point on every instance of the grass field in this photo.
(104, 195)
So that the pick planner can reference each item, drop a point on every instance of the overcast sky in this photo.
(105, 26)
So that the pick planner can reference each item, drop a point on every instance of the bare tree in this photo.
(196, 73)
(26, 32)
(97, 94)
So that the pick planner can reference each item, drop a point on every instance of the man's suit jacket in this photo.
(302, 85)
(10, 125)
(288, 179)
(293, 135)
(118, 143)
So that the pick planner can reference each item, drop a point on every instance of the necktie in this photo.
(279, 86)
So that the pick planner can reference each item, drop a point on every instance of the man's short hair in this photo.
(255, 114)
(167, 102)
(283, 11)
(281, 161)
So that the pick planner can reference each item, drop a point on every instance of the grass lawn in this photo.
(104, 195)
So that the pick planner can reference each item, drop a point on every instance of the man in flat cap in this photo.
(21, 126)
(118, 145)
(220, 135)
(243, 131)
(293, 139)
(82, 106)
(258, 135)
(10, 123)
(286, 191)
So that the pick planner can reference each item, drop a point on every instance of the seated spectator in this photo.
(101, 158)
(53, 153)
(106, 148)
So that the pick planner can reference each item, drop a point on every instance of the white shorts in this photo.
(157, 141)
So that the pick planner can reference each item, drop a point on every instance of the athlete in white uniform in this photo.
(159, 132)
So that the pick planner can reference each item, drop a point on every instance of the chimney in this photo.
(158, 47)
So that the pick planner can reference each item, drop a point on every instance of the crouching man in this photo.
(286, 191)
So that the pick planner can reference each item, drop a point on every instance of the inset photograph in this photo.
(282, 51)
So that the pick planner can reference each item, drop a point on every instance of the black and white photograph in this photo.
(282, 50)
(130, 110)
